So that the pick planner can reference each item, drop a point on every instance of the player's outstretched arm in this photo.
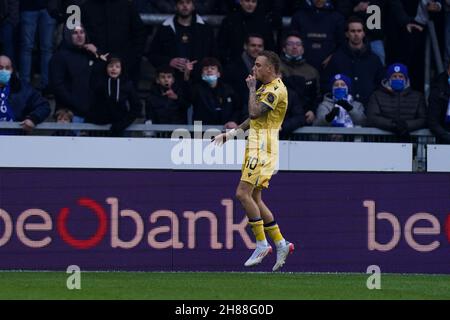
(224, 137)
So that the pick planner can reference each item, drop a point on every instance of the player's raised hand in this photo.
(219, 139)
(251, 82)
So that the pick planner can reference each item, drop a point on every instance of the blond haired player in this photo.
(267, 107)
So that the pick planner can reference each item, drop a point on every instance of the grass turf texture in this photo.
(236, 286)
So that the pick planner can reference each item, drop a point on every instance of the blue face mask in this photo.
(340, 93)
(397, 84)
(449, 81)
(5, 76)
(211, 80)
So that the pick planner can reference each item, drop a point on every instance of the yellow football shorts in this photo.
(258, 167)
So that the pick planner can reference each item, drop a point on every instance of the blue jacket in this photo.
(28, 103)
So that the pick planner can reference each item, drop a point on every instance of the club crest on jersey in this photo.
(270, 98)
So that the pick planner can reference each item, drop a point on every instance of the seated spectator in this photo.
(115, 100)
(439, 108)
(356, 60)
(215, 102)
(20, 102)
(293, 67)
(181, 39)
(321, 28)
(35, 16)
(238, 25)
(295, 115)
(167, 103)
(64, 116)
(338, 109)
(9, 20)
(238, 70)
(396, 106)
(71, 68)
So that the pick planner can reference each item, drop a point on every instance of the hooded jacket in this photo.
(70, 71)
(386, 106)
(438, 106)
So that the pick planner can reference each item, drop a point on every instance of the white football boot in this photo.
(258, 255)
(282, 253)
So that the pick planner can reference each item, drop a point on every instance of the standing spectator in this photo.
(338, 108)
(115, 99)
(375, 36)
(20, 101)
(356, 60)
(408, 34)
(215, 102)
(116, 27)
(439, 107)
(322, 30)
(299, 75)
(238, 25)
(71, 68)
(9, 20)
(447, 31)
(167, 103)
(238, 70)
(34, 15)
(182, 39)
(396, 106)
(168, 6)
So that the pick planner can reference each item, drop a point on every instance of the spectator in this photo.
(116, 27)
(19, 101)
(295, 115)
(238, 70)
(9, 20)
(322, 30)
(166, 103)
(439, 108)
(356, 60)
(168, 6)
(299, 75)
(64, 116)
(375, 36)
(396, 106)
(183, 38)
(447, 31)
(338, 109)
(407, 36)
(116, 101)
(71, 69)
(238, 25)
(215, 102)
(34, 15)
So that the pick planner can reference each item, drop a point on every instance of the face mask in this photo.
(449, 81)
(211, 80)
(292, 58)
(397, 84)
(340, 93)
(5, 76)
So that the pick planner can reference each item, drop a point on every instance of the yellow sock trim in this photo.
(274, 233)
(258, 230)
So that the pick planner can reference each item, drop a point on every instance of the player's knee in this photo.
(241, 195)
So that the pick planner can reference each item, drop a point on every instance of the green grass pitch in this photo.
(236, 286)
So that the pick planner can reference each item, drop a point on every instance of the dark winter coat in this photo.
(162, 110)
(437, 108)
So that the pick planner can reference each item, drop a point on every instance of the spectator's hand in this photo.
(171, 94)
(91, 48)
(361, 7)
(310, 117)
(251, 82)
(433, 6)
(178, 63)
(104, 57)
(326, 61)
(27, 125)
(332, 114)
(401, 127)
(231, 125)
(345, 104)
(411, 26)
(188, 69)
